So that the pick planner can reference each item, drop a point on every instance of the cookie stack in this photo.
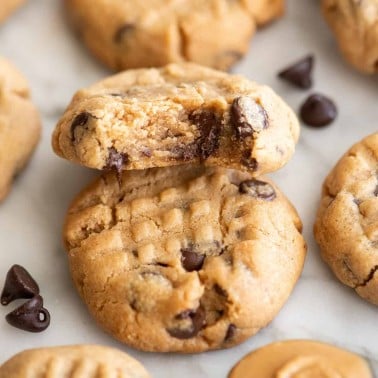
(180, 245)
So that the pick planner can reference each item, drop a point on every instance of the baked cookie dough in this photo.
(355, 24)
(346, 227)
(177, 114)
(79, 361)
(153, 33)
(183, 259)
(301, 358)
(19, 125)
(8, 6)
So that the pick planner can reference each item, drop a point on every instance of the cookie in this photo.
(301, 358)
(19, 125)
(79, 361)
(8, 6)
(153, 33)
(355, 24)
(177, 114)
(346, 227)
(183, 259)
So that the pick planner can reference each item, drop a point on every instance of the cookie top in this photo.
(19, 124)
(177, 114)
(346, 227)
(153, 33)
(301, 358)
(8, 6)
(79, 361)
(185, 258)
(355, 24)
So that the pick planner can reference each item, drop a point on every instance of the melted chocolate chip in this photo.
(198, 319)
(248, 161)
(220, 291)
(210, 129)
(376, 191)
(299, 74)
(123, 31)
(231, 331)
(79, 121)
(191, 260)
(18, 284)
(258, 189)
(247, 117)
(31, 316)
(318, 111)
(116, 160)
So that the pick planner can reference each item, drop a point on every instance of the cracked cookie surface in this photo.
(19, 125)
(81, 361)
(8, 6)
(346, 227)
(177, 114)
(355, 24)
(301, 358)
(185, 258)
(153, 33)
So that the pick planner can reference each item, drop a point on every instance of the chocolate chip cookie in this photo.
(346, 227)
(153, 33)
(79, 361)
(177, 114)
(355, 24)
(301, 358)
(19, 125)
(8, 6)
(185, 258)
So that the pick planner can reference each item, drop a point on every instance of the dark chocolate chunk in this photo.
(231, 331)
(116, 160)
(79, 121)
(376, 191)
(318, 111)
(191, 260)
(248, 161)
(18, 284)
(124, 30)
(247, 117)
(31, 316)
(210, 128)
(198, 319)
(258, 189)
(299, 73)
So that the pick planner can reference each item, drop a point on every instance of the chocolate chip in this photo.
(247, 116)
(79, 121)
(123, 31)
(258, 189)
(116, 160)
(210, 128)
(18, 284)
(376, 191)
(318, 111)
(191, 260)
(198, 319)
(248, 161)
(31, 316)
(231, 331)
(299, 73)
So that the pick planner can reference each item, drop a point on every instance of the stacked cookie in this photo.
(179, 246)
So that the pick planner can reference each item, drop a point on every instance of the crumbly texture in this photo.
(183, 259)
(153, 33)
(346, 227)
(355, 24)
(301, 358)
(177, 114)
(7, 7)
(19, 125)
(73, 361)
